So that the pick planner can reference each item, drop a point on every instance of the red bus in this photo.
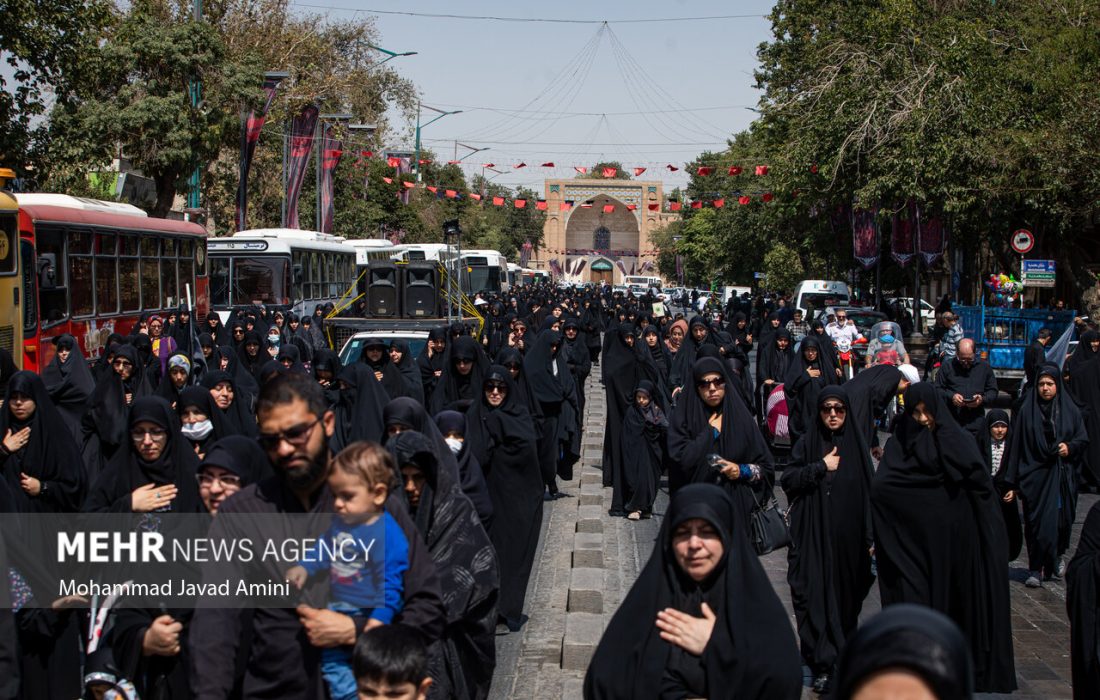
(91, 268)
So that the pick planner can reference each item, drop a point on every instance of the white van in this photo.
(819, 294)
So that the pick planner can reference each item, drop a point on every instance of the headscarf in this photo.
(454, 391)
(240, 455)
(109, 408)
(751, 651)
(916, 639)
(359, 408)
(70, 384)
(239, 414)
(470, 474)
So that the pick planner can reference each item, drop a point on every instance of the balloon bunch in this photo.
(1005, 289)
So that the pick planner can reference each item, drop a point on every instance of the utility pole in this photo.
(193, 198)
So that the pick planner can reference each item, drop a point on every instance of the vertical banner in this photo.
(251, 126)
(331, 150)
(865, 238)
(525, 253)
(933, 239)
(404, 165)
(301, 145)
(903, 234)
(555, 268)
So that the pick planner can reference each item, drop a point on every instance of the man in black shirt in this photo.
(967, 385)
(1036, 354)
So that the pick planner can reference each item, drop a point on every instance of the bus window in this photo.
(106, 274)
(169, 287)
(260, 279)
(150, 274)
(219, 281)
(30, 298)
(129, 275)
(9, 243)
(187, 270)
(81, 279)
(53, 301)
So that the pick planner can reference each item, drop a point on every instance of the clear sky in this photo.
(643, 93)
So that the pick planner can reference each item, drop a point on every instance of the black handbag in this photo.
(770, 529)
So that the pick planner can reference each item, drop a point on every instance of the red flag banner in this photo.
(408, 184)
(638, 171)
(451, 194)
(393, 161)
(903, 234)
(251, 127)
(586, 205)
(865, 238)
(424, 161)
(453, 162)
(761, 170)
(610, 172)
(703, 171)
(488, 165)
(498, 201)
(719, 203)
(540, 205)
(476, 197)
(547, 165)
(520, 203)
(735, 170)
(631, 207)
(671, 168)
(388, 180)
(433, 189)
(933, 239)
(301, 145)
(565, 206)
(675, 206)
(581, 169)
(768, 196)
(744, 199)
(654, 207)
(608, 208)
(697, 204)
(517, 166)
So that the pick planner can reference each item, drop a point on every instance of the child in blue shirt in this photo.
(364, 551)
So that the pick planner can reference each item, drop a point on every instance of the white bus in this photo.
(484, 271)
(818, 294)
(645, 281)
(282, 268)
(368, 250)
(419, 252)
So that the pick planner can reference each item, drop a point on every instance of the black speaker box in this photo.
(421, 290)
(382, 288)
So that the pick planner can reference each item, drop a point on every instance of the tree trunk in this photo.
(166, 195)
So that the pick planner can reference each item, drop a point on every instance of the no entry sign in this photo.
(1023, 241)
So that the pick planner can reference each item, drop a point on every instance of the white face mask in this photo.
(197, 431)
(455, 444)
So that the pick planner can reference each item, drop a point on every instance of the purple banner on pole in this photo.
(331, 150)
(301, 145)
(865, 237)
(903, 234)
(251, 126)
(933, 239)
(555, 268)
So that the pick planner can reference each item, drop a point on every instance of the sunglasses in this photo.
(831, 408)
(716, 383)
(496, 388)
(461, 361)
(296, 436)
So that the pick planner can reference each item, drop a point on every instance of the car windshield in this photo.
(261, 279)
(864, 320)
(354, 349)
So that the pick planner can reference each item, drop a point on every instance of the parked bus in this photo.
(420, 252)
(281, 268)
(643, 281)
(368, 250)
(484, 271)
(11, 326)
(91, 268)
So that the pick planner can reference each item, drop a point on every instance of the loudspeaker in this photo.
(421, 290)
(382, 297)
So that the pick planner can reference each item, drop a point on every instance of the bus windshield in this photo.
(484, 279)
(263, 279)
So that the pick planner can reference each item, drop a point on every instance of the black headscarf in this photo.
(392, 381)
(428, 366)
(913, 638)
(1010, 511)
(801, 389)
(359, 408)
(51, 454)
(292, 354)
(109, 407)
(249, 363)
(239, 414)
(868, 393)
(773, 363)
(751, 652)
(240, 455)
(127, 470)
(410, 373)
(69, 384)
(454, 391)
(1082, 592)
(470, 474)
(199, 397)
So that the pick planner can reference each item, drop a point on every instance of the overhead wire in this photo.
(526, 20)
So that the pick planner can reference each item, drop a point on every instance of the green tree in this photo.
(782, 268)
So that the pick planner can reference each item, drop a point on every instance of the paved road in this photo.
(579, 580)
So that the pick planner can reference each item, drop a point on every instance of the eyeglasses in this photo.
(831, 408)
(716, 383)
(463, 361)
(122, 363)
(296, 436)
(842, 318)
(496, 388)
(205, 479)
(156, 435)
(238, 331)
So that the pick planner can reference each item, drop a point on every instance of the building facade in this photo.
(604, 234)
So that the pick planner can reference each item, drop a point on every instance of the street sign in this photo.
(1038, 273)
(758, 275)
(1023, 241)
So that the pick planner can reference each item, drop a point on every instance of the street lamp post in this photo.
(390, 55)
(419, 126)
(322, 126)
(472, 151)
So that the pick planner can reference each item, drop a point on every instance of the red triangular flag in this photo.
(674, 206)
(813, 168)
(744, 199)
(671, 168)
(697, 204)
(768, 196)
(393, 162)
(719, 203)
(476, 197)
(586, 205)
(761, 170)
(540, 205)
(654, 207)
(453, 162)
(433, 189)
(581, 169)
(488, 165)
(565, 206)
(408, 184)
(703, 171)
(520, 203)
(517, 166)
(424, 161)
(631, 207)
(451, 193)
(735, 170)
(638, 171)
(498, 201)
(547, 165)
(610, 172)
(608, 208)
(366, 154)
(388, 180)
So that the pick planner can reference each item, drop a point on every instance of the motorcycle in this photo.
(845, 356)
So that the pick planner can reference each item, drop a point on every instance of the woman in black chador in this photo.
(939, 535)
(828, 484)
(502, 438)
(994, 437)
(1048, 443)
(551, 384)
(463, 370)
(807, 375)
(702, 620)
(69, 382)
(1083, 603)
(625, 364)
(711, 419)
(645, 439)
